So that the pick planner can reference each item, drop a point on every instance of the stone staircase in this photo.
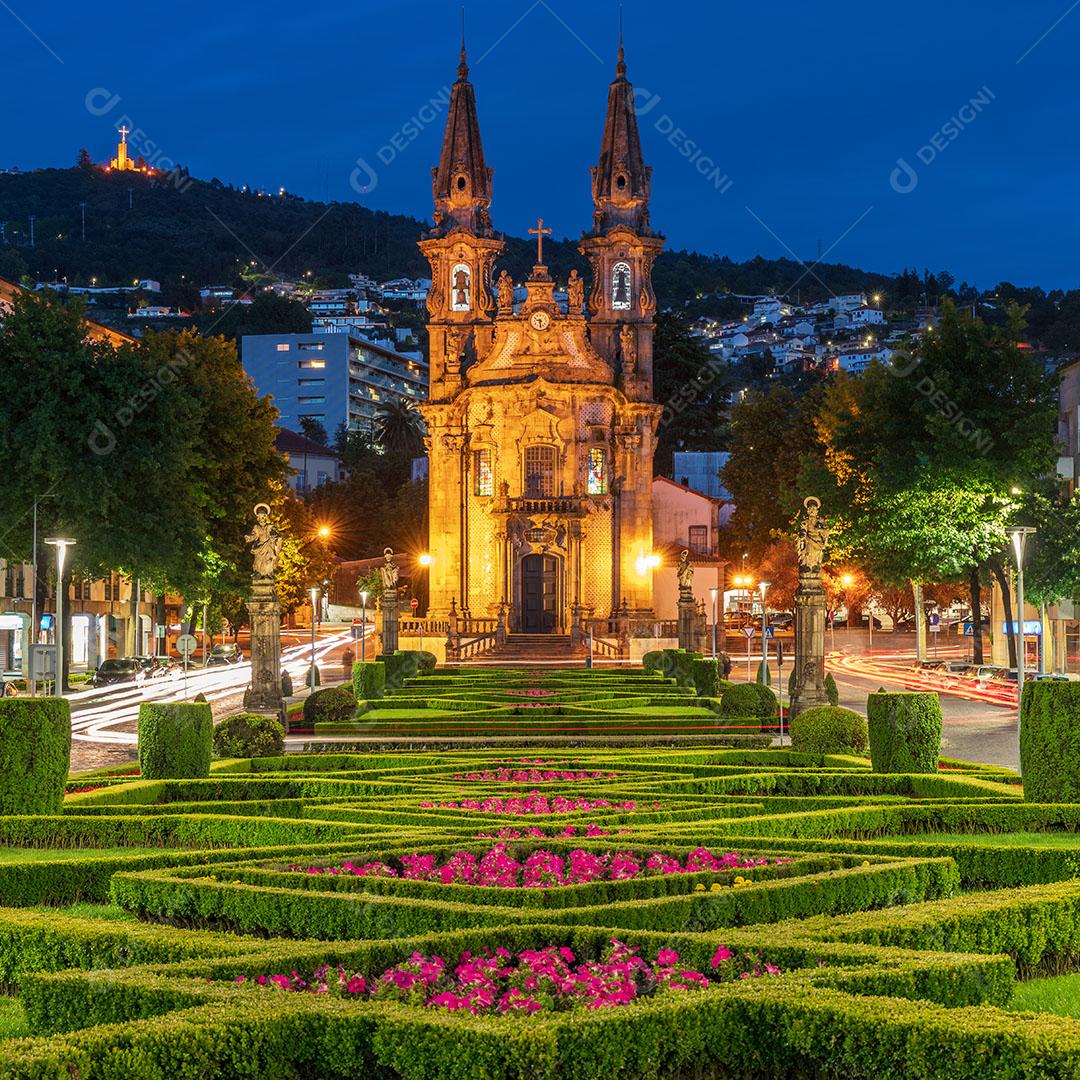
(520, 650)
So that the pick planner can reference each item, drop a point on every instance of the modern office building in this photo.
(333, 378)
(700, 470)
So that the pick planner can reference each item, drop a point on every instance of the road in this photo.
(106, 716)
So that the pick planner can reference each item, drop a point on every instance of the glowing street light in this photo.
(363, 625)
(324, 532)
(1019, 541)
(314, 606)
(61, 544)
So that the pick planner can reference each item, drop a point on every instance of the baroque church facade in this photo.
(541, 422)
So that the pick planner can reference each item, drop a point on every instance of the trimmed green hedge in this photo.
(334, 705)
(368, 680)
(905, 731)
(753, 700)
(249, 735)
(829, 730)
(1050, 741)
(175, 740)
(708, 676)
(35, 751)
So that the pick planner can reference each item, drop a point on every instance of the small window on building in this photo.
(539, 471)
(284, 347)
(598, 471)
(310, 382)
(699, 539)
(312, 400)
(311, 364)
(311, 346)
(620, 286)
(483, 481)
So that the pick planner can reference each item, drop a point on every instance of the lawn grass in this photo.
(13, 1023)
(1059, 995)
(1012, 839)
(20, 855)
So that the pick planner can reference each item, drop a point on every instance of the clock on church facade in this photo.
(541, 422)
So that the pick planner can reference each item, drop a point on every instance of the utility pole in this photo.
(32, 220)
(131, 193)
(82, 207)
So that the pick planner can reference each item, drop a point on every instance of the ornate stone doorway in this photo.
(538, 610)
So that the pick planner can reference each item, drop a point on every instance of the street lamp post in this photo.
(424, 559)
(363, 626)
(1019, 539)
(764, 586)
(61, 544)
(314, 603)
(713, 592)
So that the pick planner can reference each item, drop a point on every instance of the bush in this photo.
(706, 675)
(249, 735)
(749, 699)
(313, 677)
(400, 666)
(426, 661)
(764, 674)
(335, 705)
(286, 684)
(653, 661)
(829, 730)
(832, 691)
(368, 680)
(35, 751)
(175, 741)
(1050, 742)
(905, 732)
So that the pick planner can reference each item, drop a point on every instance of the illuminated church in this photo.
(541, 422)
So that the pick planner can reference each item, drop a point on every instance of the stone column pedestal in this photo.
(687, 618)
(264, 693)
(389, 621)
(809, 644)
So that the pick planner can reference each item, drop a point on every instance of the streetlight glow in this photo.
(61, 544)
(426, 559)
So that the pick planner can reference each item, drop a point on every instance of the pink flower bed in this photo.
(542, 869)
(534, 802)
(532, 776)
(531, 832)
(82, 790)
(542, 980)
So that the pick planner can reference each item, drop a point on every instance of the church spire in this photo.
(621, 179)
(461, 182)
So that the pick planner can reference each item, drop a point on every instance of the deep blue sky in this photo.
(806, 107)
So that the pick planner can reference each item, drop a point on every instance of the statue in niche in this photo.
(628, 344)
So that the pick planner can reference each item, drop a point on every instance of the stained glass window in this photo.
(598, 472)
(483, 481)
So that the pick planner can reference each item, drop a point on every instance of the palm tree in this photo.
(399, 426)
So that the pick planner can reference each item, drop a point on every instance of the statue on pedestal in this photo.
(266, 543)
(685, 572)
(389, 570)
(264, 693)
(811, 540)
(389, 573)
(687, 608)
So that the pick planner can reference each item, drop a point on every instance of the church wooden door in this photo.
(539, 587)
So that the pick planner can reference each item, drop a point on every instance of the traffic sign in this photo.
(414, 603)
(186, 644)
(749, 631)
(969, 629)
(770, 631)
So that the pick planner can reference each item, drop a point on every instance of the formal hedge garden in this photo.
(636, 906)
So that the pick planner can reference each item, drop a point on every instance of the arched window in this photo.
(539, 479)
(620, 286)
(461, 288)
(483, 480)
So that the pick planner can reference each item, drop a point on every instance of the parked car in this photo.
(129, 669)
(225, 654)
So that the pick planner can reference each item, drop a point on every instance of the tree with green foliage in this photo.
(922, 457)
(266, 314)
(399, 426)
(314, 430)
(771, 434)
(692, 387)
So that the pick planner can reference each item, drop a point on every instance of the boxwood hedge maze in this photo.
(540, 875)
